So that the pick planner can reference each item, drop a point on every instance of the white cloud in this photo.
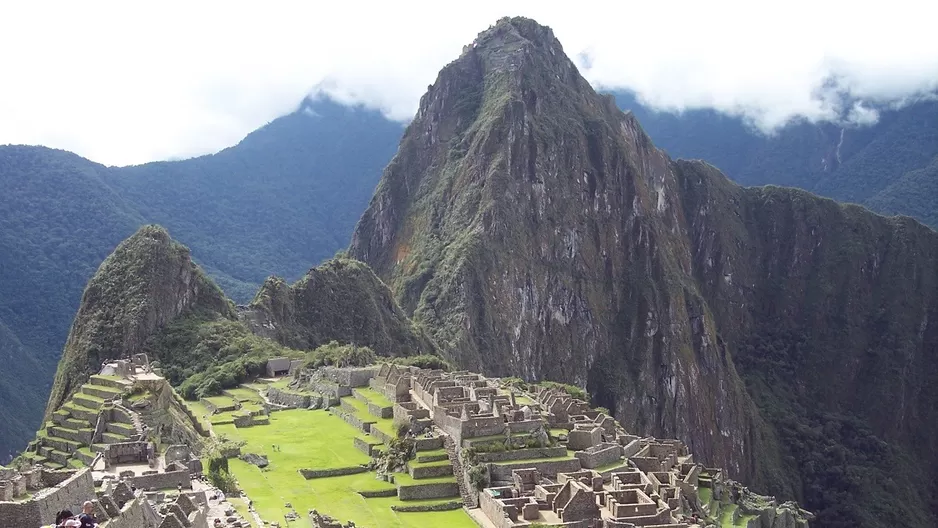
(120, 83)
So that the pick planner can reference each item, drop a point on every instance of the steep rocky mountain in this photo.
(149, 296)
(535, 230)
(148, 281)
(305, 176)
(887, 166)
(342, 300)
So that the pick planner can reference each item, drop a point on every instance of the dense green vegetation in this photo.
(335, 354)
(284, 198)
(205, 353)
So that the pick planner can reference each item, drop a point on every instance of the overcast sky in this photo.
(121, 84)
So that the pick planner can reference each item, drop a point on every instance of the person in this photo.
(61, 517)
(87, 516)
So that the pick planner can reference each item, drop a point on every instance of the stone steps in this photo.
(61, 444)
(114, 383)
(81, 412)
(82, 436)
(121, 429)
(114, 438)
(100, 391)
(88, 401)
(85, 455)
(449, 445)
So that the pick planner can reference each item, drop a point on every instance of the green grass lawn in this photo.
(533, 460)
(318, 439)
(244, 394)
(726, 515)
(221, 401)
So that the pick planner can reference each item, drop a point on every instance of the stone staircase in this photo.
(449, 445)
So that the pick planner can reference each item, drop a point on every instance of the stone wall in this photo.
(349, 377)
(502, 472)
(42, 507)
(168, 480)
(494, 510)
(438, 490)
(599, 456)
(379, 411)
(128, 453)
(293, 400)
(422, 472)
(309, 474)
(429, 444)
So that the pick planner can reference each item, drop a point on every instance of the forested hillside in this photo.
(279, 202)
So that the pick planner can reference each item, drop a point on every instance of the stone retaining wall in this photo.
(353, 420)
(309, 474)
(363, 445)
(438, 490)
(594, 458)
(373, 494)
(422, 472)
(294, 400)
(379, 411)
(442, 506)
(429, 444)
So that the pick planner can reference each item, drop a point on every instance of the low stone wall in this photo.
(502, 472)
(442, 506)
(309, 474)
(594, 458)
(353, 420)
(218, 408)
(429, 444)
(364, 445)
(374, 494)
(523, 454)
(422, 472)
(168, 480)
(294, 400)
(380, 435)
(432, 458)
(379, 411)
(438, 490)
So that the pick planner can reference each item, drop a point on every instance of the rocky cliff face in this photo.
(535, 230)
(340, 300)
(143, 285)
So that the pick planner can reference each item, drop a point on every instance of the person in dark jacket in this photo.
(87, 515)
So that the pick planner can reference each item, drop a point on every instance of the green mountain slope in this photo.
(284, 198)
(538, 232)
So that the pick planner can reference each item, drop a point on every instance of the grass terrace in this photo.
(321, 440)
(385, 425)
(375, 397)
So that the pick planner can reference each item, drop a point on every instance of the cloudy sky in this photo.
(121, 84)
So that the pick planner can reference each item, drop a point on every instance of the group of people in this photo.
(85, 519)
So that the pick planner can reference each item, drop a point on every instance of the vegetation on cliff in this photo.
(341, 300)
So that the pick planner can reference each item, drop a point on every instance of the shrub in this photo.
(478, 477)
(515, 382)
(424, 361)
(224, 481)
(335, 354)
